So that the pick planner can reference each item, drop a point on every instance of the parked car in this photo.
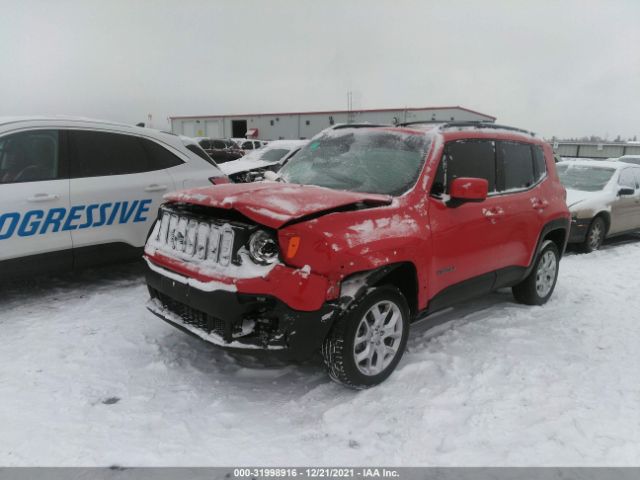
(248, 145)
(634, 159)
(373, 228)
(252, 166)
(77, 192)
(221, 150)
(604, 200)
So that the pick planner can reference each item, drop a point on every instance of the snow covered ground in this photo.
(88, 377)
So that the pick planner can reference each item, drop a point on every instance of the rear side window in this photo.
(31, 157)
(466, 158)
(217, 144)
(205, 143)
(98, 154)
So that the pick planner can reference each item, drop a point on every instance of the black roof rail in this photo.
(469, 123)
(420, 122)
(357, 125)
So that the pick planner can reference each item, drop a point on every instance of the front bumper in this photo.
(579, 228)
(238, 320)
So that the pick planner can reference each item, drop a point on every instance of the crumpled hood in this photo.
(576, 196)
(275, 204)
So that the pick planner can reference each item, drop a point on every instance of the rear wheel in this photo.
(595, 235)
(537, 288)
(367, 342)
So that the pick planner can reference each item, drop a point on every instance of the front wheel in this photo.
(537, 288)
(367, 342)
(595, 236)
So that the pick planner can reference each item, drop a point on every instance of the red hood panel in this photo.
(274, 204)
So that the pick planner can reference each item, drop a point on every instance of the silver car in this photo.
(603, 198)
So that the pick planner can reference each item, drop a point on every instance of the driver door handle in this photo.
(493, 214)
(538, 204)
(154, 187)
(43, 197)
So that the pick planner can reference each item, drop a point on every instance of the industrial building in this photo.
(597, 150)
(294, 125)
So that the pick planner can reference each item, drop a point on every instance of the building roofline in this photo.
(328, 112)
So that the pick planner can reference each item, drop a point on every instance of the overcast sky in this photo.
(556, 67)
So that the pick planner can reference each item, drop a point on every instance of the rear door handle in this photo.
(43, 197)
(154, 187)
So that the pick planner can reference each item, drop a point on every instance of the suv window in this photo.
(466, 158)
(30, 157)
(98, 154)
(539, 164)
(217, 144)
(205, 143)
(247, 145)
(627, 178)
(160, 157)
(201, 153)
(517, 165)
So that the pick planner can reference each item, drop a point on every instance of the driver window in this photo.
(29, 157)
(627, 179)
(466, 158)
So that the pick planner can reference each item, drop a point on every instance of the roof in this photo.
(596, 163)
(329, 112)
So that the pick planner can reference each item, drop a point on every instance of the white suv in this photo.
(78, 192)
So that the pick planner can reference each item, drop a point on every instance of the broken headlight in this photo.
(263, 247)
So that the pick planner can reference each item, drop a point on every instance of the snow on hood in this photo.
(576, 196)
(275, 204)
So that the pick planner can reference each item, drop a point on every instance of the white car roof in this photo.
(59, 121)
(596, 163)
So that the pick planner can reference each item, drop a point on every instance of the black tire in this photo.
(595, 236)
(338, 349)
(527, 291)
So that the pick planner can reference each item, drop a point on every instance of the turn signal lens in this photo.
(292, 249)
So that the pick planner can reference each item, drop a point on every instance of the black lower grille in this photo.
(195, 318)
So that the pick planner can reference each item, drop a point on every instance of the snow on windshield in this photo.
(363, 160)
(584, 177)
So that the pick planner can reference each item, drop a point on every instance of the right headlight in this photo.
(263, 247)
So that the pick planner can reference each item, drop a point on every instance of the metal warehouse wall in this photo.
(305, 125)
(595, 150)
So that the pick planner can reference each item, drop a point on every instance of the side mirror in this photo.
(465, 189)
(626, 191)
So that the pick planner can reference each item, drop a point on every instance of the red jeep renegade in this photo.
(370, 228)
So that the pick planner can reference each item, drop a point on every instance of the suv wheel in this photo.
(595, 235)
(367, 342)
(537, 288)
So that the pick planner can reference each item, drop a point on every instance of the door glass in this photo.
(30, 157)
(627, 179)
(159, 155)
(99, 154)
(539, 163)
(517, 165)
(467, 158)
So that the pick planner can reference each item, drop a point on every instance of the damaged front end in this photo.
(213, 274)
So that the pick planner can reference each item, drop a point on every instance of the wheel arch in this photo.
(402, 275)
(606, 216)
